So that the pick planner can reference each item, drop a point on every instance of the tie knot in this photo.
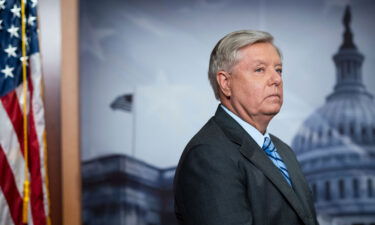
(268, 145)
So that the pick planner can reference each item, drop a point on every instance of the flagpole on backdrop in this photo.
(134, 125)
(125, 103)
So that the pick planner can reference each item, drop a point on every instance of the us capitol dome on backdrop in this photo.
(336, 144)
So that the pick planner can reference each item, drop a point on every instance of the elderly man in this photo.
(233, 171)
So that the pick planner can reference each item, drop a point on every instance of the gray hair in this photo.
(225, 54)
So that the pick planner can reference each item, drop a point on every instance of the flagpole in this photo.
(26, 182)
(133, 124)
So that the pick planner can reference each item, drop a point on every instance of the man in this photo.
(233, 171)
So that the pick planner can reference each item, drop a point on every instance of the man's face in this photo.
(256, 85)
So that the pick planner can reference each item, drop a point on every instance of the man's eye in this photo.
(280, 71)
(259, 70)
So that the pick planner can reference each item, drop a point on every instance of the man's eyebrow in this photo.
(257, 62)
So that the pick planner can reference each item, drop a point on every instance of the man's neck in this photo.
(260, 122)
(251, 130)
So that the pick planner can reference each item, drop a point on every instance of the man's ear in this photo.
(223, 80)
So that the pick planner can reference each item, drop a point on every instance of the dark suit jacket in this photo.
(225, 178)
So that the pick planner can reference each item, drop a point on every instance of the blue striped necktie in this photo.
(271, 152)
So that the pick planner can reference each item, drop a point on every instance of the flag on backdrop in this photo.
(13, 169)
(123, 102)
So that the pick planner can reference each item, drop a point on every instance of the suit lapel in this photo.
(251, 151)
(255, 154)
(300, 187)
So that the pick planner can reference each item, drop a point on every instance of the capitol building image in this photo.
(336, 144)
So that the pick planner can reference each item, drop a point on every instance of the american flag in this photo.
(12, 145)
(123, 102)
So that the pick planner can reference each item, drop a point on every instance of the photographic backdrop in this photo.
(145, 91)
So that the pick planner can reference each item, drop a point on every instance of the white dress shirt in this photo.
(252, 131)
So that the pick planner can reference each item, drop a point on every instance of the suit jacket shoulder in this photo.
(224, 177)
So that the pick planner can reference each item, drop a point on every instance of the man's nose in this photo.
(276, 78)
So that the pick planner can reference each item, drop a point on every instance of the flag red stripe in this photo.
(13, 109)
(9, 189)
(13, 166)
(37, 197)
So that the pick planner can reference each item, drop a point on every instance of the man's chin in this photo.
(272, 112)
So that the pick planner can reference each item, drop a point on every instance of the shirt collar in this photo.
(251, 130)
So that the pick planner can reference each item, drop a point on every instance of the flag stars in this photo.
(2, 4)
(26, 40)
(11, 51)
(13, 31)
(31, 20)
(1, 26)
(34, 3)
(16, 11)
(8, 71)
